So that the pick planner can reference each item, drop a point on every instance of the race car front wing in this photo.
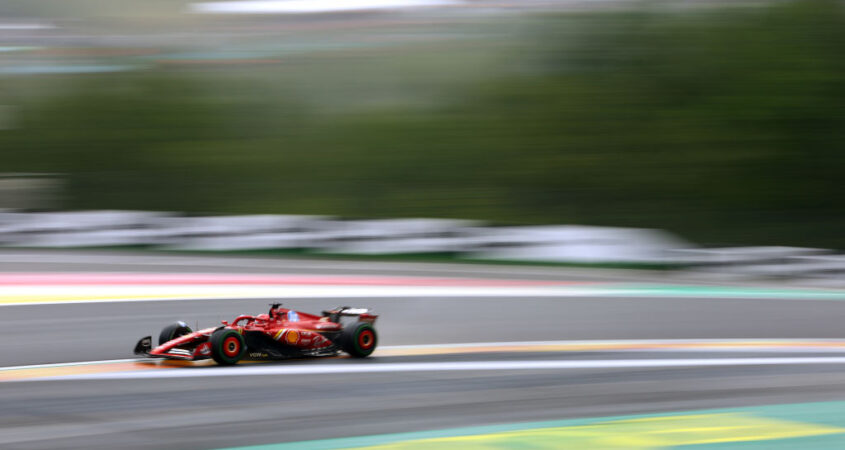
(144, 346)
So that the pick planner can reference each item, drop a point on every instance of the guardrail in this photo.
(461, 238)
(323, 234)
(820, 265)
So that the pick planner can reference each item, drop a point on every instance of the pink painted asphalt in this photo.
(105, 279)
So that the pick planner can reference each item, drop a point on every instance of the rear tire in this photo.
(359, 339)
(227, 346)
(173, 331)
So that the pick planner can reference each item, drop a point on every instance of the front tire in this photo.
(173, 331)
(227, 347)
(359, 339)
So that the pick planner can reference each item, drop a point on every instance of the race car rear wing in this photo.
(363, 314)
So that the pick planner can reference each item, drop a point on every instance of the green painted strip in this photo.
(821, 413)
(668, 290)
(827, 442)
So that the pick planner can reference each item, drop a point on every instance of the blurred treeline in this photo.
(725, 125)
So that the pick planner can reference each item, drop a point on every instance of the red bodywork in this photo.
(291, 333)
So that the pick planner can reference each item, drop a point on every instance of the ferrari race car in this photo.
(280, 334)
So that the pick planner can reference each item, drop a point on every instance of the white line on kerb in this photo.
(708, 345)
(78, 363)
(782, 342)
(445, 367)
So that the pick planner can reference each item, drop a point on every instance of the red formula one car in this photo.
(282, 333)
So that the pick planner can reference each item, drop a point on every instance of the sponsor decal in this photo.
(300, 338)
(319, 341)
(203, 349)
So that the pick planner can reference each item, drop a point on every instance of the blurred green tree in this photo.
(725, 125)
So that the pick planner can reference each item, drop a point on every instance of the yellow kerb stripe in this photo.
(644, 433)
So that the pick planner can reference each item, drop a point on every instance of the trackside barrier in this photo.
(79, 228)
(252, 232)
(397, 236)
(323, 234)
(769, 262)
(577, 244)
(461, 238)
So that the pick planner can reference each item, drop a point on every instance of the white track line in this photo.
(444, 367)
(50, 295)
(79, 363)
(718, 346)
(762, 341)
(44, 295)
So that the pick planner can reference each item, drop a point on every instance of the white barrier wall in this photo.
(79, 228)
(767, 262)
(396, 236)
(463, 238)
(578, 244)
(336, 236)
(252, 232)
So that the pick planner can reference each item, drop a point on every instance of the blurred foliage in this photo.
(725, 125)
(78, 9)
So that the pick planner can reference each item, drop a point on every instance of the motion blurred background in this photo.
(702, 139)
(721, 122)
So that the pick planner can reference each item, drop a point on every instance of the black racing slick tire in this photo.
(359, 339)
(227, 346)
(173, 331)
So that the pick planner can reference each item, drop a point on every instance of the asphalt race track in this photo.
(106, 331)
(330, 400)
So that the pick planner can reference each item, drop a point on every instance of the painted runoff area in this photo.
(819, 425)
(797, 426)
(44, 288)
(160, 369)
